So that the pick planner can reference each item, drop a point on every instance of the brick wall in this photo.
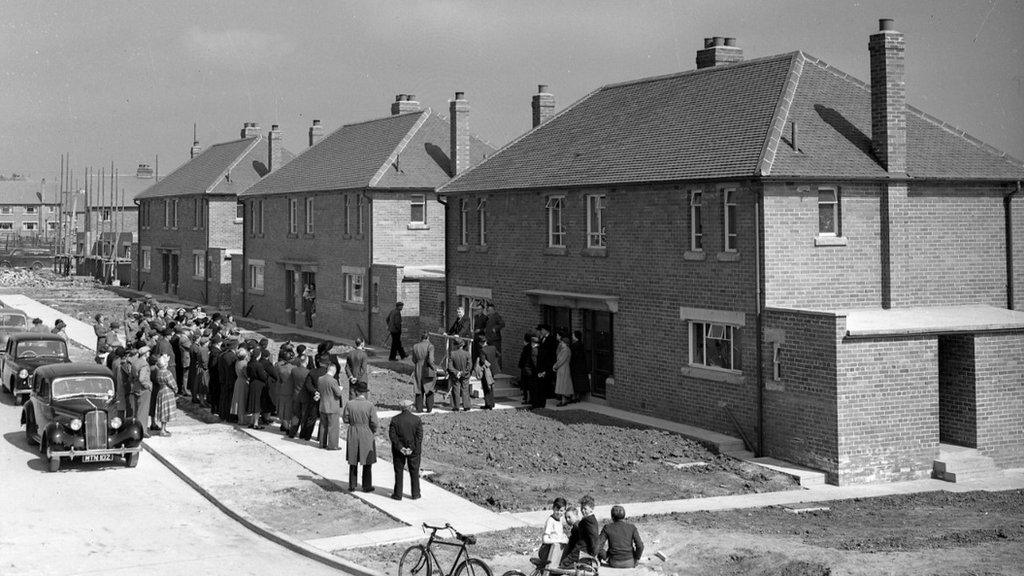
(800, 407)
(183, 241)
(957, 400)
(1017, 216)
(396, 240)
(888, 400)
(800, 274)
(644, 266)
(432, 313)
(225, 231)
(999, 368)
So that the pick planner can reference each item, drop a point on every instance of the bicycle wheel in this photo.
(514, 573)
(415, 562)
(474, 567)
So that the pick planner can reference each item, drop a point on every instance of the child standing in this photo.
(554, 537)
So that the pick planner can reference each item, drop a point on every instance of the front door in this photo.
(289, 295)
(559, 318)
(308, 296)
(599, 343)
(165, 266)
(174, 274)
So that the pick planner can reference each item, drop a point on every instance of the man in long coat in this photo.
(330, 393)
(312, 411)
(356, 366)
(213, 374)
(423, 373)
(395, 329)
(226, 369)
(406, 435)
(460, 368)
(361, 417)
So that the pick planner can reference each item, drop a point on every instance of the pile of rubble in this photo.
(19, 278)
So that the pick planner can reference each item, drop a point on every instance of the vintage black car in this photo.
(24, 352)
(34, 258)
(11, 320)
(71, 414)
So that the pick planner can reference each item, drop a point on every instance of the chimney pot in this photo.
(273, 126)
(718, 50)
(542, 89)
(719, 41)
(730, 41)
(458, 117)
(316, 122)
(709, 42)
(274, 148)
(886, 24)
(404, 103)
(460, 95)
(398, 97)
(316, 133)
(410, 97)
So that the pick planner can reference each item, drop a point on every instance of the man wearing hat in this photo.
(361, 417)
(58, 329)
(460, 366)
(406, 434)
(37, 326)
(141, 386)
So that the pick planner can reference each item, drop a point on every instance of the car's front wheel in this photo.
(131, 460)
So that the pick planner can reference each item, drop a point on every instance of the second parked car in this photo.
(24, 352)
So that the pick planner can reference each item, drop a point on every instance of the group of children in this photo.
(618, 544)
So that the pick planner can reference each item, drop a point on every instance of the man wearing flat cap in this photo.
(406, 434)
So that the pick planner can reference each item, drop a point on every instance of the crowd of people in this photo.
(551, 362)
(617, 544)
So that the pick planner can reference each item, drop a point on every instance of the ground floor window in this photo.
(714, 345)
(256, 272)
(145, 254)
(353, 288)
(198, 264)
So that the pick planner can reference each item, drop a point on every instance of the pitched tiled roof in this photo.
(401, 151)
(727, 121)
(225, 168)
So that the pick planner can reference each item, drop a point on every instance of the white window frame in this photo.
(198, 264)
(696, 202)
(700, 331)
(6, 210)
(355, 286)
(239, 211)
(28, 225)
(261, 214)
(52, 224)
(729, 209)
(463, 221)
(146, 257)
(167, 214)
(348, 215)
(293, 215)
(776, 361)
(359, 214)
(481, 216)
(174, 214)
(257, 274)
(106, 214)
(835, 204)
(596, 231)
(309, 214)
(30, 209)
(421, 201)
(556, 229)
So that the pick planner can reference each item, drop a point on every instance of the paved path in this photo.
(76, 329)
(111, 520)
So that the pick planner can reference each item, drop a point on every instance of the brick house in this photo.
(769, 249)
(28, 207)
(355, 215)
(190, 223)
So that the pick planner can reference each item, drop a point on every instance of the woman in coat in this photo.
(283, 392)
(167, 389)
(578, 367)
(361, 445)
(563, 375)
(258, 378)
(238, 397)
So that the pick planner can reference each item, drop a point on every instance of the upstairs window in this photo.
(348, 215)
(239, 212)
(714, 346)
(828, 212)
(696, 221)
(105, 215)
(293, 216)
(418, 209)
(259, 216)
(359, 214)
(729, 219)
(353, 288)
(463, 222)
(252, 219)
(556, 231)
(174, 213)
(595, 221)
(167, 213)
(30, 209)
(309, 215)
(481, 214)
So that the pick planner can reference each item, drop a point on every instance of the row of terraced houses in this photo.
(770, 249)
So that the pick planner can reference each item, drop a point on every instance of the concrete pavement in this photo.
(76, 330)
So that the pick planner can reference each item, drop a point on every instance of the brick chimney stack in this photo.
(196, 148)
(543, 105)
(404, 103)
(275, 147)
(250, 130)
(458, 114)
(718, 51)
(316, 133)
(888, 97)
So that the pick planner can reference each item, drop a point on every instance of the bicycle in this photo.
(419, 560)
(582, 567)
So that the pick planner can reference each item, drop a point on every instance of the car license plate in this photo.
(98, 458)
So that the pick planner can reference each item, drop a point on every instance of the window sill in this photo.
(595, 252)
(309, 235)
(200, 277)
(346, 236)
(774, 385)
(728, 256)
(555, 250)
(359, 236)
(704, 373)
(462, 248)
(239, 220)
(375, 309)
(483, 248)
(352, 305)
(292, 235)
(694, 255)
(830, 241)
(256, 291)
(418, 226)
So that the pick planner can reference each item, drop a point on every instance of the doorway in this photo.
(289, 295)
(599, 343)
(558, 317)
(174, 274)
(165, 268)
(308, 297)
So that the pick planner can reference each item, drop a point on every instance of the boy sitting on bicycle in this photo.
(554, 537)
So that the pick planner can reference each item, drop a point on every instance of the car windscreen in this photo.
(83, 386)
(11, 320)
(37, 348)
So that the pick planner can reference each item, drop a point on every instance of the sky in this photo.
(124, 81)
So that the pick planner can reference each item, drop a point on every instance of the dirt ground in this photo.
(937, 533)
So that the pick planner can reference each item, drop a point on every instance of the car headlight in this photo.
(23, 373)
(115, 423)
(75, 424)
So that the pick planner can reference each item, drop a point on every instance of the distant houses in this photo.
(190, 222)
(356, 215)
